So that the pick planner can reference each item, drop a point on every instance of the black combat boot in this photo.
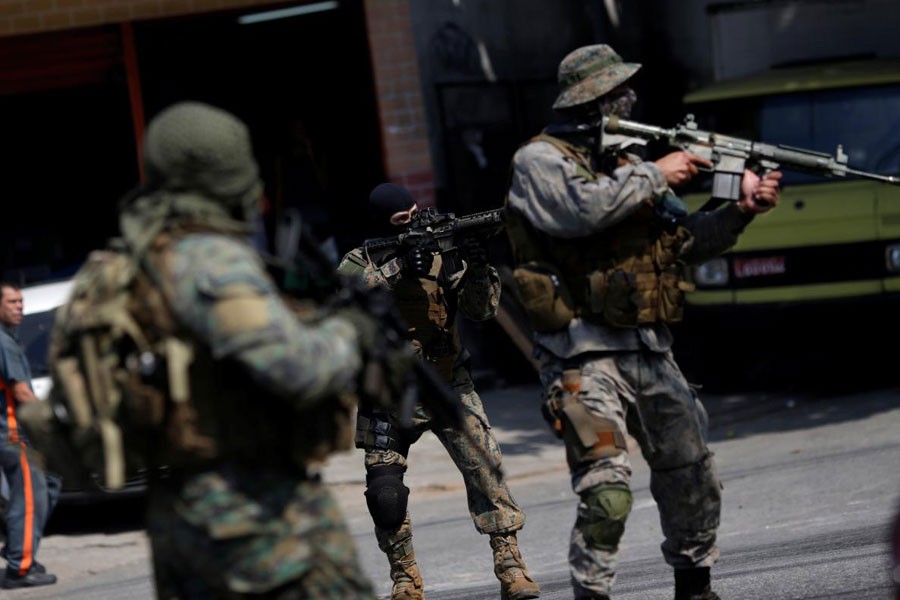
(693, 584)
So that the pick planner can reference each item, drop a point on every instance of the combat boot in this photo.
(693, 584)
(510, 569)
(405, 574)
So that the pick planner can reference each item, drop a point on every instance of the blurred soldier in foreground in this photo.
(600, 242)
(429, 294)
(239, 397)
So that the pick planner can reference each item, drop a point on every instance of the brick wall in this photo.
(398, 90)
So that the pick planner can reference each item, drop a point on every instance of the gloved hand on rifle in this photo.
(418, 259)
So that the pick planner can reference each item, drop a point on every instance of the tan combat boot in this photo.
(510, 569)
(405, 573)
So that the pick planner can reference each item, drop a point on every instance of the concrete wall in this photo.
(481, 46)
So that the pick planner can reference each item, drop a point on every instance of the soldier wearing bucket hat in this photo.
(589, 73)
(600, 243)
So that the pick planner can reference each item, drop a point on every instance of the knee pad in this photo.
(603, 523)
(386, 496)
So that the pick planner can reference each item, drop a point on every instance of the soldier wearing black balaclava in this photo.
(431, 294)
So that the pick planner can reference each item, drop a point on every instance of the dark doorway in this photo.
(68, 146)
(67, 156)
(309, 73)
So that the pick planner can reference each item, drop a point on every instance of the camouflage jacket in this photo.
(259, 377)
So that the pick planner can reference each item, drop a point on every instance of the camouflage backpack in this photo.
(116, 367)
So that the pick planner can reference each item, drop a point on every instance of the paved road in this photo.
(810, 486)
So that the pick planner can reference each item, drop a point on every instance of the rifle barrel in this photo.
(892, 179)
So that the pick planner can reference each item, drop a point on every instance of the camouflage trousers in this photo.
(237, 533)
(491, 505)
(645, 395)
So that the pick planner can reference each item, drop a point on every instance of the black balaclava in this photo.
(385, 200)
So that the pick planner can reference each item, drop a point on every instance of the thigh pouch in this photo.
(587, 435)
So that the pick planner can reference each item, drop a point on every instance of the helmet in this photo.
(590, 72)
(195, 147)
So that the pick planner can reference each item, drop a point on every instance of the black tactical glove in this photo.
(418, 260)
(476, 252)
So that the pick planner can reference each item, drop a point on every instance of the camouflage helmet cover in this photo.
(589, 72)
(195, 147)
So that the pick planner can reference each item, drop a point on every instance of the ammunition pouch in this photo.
(641, 289)
(375, 433)
(544, 295)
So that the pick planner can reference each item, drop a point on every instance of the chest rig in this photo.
(624, 276)
(430, 309)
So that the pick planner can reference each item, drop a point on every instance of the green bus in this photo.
(827, 261)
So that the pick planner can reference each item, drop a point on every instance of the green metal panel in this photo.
(807, 78)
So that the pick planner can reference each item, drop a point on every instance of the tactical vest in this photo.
(624, 276)
(430, 311)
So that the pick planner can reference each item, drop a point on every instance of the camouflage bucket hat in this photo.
(589, 72)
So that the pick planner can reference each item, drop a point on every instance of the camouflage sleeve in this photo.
(479, 298)
(713, 232)
(548, 190)
(223, 295)
(357, 264)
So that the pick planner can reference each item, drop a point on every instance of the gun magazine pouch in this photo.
(545, 297)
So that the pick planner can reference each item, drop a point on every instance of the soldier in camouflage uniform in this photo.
(236, 513)
(429, 299)
(599, 241)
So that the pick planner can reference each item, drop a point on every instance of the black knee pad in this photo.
(386, 496)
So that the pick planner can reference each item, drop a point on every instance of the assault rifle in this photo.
(731, 155)
(445, 229)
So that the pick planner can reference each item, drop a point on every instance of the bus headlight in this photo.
(892, 258)
(714, 273)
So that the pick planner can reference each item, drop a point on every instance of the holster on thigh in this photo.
(588, 436)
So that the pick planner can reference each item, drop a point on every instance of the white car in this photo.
(40, 303)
